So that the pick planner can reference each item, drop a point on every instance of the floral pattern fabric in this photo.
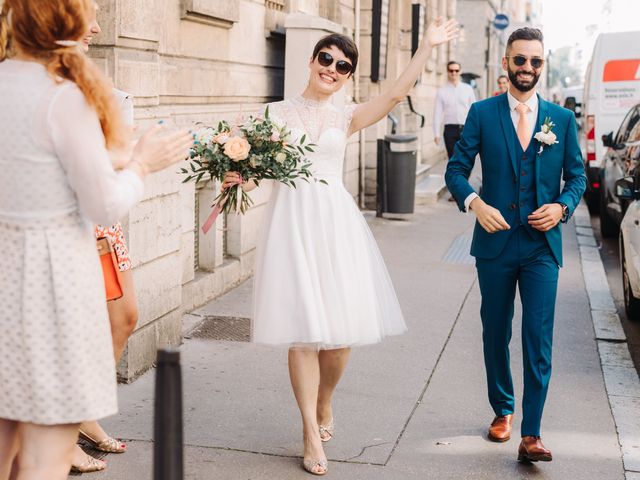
(116, 236)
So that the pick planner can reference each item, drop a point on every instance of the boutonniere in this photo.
(545, 136)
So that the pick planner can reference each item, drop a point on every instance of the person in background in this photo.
(453, 101)
(503, 85)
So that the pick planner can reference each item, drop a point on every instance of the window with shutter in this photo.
(379, 40)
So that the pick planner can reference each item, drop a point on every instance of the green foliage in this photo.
(273, 155)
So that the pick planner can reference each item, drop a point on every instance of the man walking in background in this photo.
(453, 101)
(503, 85)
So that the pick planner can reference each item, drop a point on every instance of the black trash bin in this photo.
(397, 161)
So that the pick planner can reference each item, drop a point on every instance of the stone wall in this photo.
(482, 47)
(189, 61)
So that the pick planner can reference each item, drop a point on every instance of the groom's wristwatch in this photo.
(565, 212)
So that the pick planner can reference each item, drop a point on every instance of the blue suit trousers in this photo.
(527, 263)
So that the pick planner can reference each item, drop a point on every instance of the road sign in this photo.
(501, 21)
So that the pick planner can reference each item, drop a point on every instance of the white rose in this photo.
(205, 135)
(548, 138)
(254, 161)
(281, 157)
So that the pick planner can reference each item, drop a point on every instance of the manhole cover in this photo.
(232, 329)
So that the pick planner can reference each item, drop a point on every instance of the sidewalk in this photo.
(413, 407)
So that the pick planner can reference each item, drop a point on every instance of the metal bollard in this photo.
(168, 455)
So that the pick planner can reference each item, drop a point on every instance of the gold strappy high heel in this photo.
(311, 466)
(91, 464)
(326, 431)
(108, 445)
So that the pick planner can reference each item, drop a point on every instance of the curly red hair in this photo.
(34, 27)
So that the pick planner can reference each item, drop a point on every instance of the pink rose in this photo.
(275, 136)
(221, 138)
(237, 148)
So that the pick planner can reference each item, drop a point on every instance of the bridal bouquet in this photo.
(257, 149)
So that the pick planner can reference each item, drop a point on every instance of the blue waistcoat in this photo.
(526, 201)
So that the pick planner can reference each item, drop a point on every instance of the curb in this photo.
(620, 376)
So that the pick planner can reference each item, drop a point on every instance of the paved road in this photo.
(610, 254)
(413, 407)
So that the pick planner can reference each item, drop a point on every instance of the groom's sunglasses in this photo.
(342, 66)
(520, 60)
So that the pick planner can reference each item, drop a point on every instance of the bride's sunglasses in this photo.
(342, 66)
(520, 60)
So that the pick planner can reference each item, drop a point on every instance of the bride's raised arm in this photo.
(377, 108)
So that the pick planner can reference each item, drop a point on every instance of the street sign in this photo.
(501, 21)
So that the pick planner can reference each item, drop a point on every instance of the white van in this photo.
(612, 87)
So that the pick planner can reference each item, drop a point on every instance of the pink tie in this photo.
(523, 131)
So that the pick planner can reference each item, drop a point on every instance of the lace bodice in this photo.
(325, 125)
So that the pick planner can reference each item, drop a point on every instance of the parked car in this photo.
(628, 189)
(620, 160)
(612, 87)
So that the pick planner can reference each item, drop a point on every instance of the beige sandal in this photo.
(108, 445)
(312, 465)
(91, 464)
(326, 431)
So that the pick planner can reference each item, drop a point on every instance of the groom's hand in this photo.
(489, 218)
(546, 217)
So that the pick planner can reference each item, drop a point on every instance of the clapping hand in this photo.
(156, 150)
(442, 32)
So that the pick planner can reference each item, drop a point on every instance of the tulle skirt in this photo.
(320, 280)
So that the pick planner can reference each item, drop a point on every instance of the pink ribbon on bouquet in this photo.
(211, 219)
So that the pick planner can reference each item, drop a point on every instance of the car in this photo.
(611, 88)
(620, 160)
(628, 190)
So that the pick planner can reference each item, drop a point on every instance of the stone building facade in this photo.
(188, 61)
(482, 45)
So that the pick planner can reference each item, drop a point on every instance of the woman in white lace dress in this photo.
(57, 119)
(321, 285)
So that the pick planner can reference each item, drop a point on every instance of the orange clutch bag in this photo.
(110, 269)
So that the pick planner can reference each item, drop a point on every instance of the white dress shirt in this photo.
(532, 118)
(452, 105)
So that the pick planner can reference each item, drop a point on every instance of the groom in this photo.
(517, 239)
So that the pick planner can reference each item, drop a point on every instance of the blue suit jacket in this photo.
(489, 132)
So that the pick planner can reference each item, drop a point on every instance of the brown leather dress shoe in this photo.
(532, 450)
(500, 429)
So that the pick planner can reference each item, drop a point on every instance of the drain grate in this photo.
(232, 329)
(458, 252)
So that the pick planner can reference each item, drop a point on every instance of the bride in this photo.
(321, 286)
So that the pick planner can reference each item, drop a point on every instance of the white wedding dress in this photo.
(320, 280)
